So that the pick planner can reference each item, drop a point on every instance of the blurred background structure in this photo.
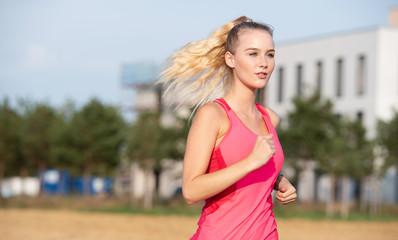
(357, 71)
(336, 80)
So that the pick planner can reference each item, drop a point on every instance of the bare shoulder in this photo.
(212, 114)
(274, 117)
(210, 110)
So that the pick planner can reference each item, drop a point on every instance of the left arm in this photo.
(286, 192)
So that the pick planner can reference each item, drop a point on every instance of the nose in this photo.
(263, 63)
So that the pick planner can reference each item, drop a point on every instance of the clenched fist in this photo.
(263, 150)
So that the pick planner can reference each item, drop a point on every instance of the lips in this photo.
(262, 75)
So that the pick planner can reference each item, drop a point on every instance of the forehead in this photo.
(255, 39)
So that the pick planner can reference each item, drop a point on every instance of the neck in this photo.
(241, 99)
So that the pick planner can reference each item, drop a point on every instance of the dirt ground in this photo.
(33, 224)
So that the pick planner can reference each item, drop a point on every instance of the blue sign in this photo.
(55, 181)
(140, 72)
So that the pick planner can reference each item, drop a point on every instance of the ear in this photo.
(230, 60)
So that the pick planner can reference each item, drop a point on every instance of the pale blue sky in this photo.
(53, 50)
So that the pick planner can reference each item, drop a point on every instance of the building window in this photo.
(361, 75)
(339, 78)
(299, 80)
(360, 116)
(280, 85)
(318, 76)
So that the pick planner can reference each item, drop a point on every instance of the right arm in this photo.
(206, 128)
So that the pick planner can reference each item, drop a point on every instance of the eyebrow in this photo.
(256, 49)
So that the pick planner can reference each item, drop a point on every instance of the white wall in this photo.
(379, 46)
(387, 73)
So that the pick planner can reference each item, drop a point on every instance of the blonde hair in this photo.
(198, 73)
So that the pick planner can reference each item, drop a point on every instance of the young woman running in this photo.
(233, 156)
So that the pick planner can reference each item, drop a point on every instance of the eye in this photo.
(271, 55)
(253, 54)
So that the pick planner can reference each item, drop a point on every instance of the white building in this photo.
(357, 70)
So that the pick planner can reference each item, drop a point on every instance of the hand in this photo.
(286, 192)
(263, 150)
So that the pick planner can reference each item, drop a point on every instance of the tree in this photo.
(143, 145)
(361, 158)
(37, 141)
(338, 146)
(387, 132)
(96, 134)
(10, 154)
(311, 124)
(149, 142)
(348, 155)
(65, 150)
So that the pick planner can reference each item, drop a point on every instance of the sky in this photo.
(60, 50)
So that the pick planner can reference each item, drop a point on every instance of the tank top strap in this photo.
(224, 104)
(262, 110)
(267, 117)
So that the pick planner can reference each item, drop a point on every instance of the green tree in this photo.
(36, 135)
(10, 154)
(387, 132)
(149, 142)
(96, 134)
(348, 155)
(142, 148)
(311, 124)
(338, 146)
(65, 149)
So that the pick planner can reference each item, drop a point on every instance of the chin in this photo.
(262, 84)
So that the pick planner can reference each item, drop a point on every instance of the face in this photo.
(253, 61)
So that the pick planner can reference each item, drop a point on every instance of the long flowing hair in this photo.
(197, 73)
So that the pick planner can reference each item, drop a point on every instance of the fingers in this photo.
(263, 150)
(268, 136)
(285, 201)
(268, 140)
(287, 196)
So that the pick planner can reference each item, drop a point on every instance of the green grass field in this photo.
(178, 207)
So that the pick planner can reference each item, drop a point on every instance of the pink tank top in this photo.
(244, 210)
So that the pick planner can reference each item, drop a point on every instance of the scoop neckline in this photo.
(262, 115)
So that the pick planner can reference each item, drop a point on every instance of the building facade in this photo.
(357, 71)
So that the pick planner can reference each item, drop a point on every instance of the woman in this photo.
(233, 156)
